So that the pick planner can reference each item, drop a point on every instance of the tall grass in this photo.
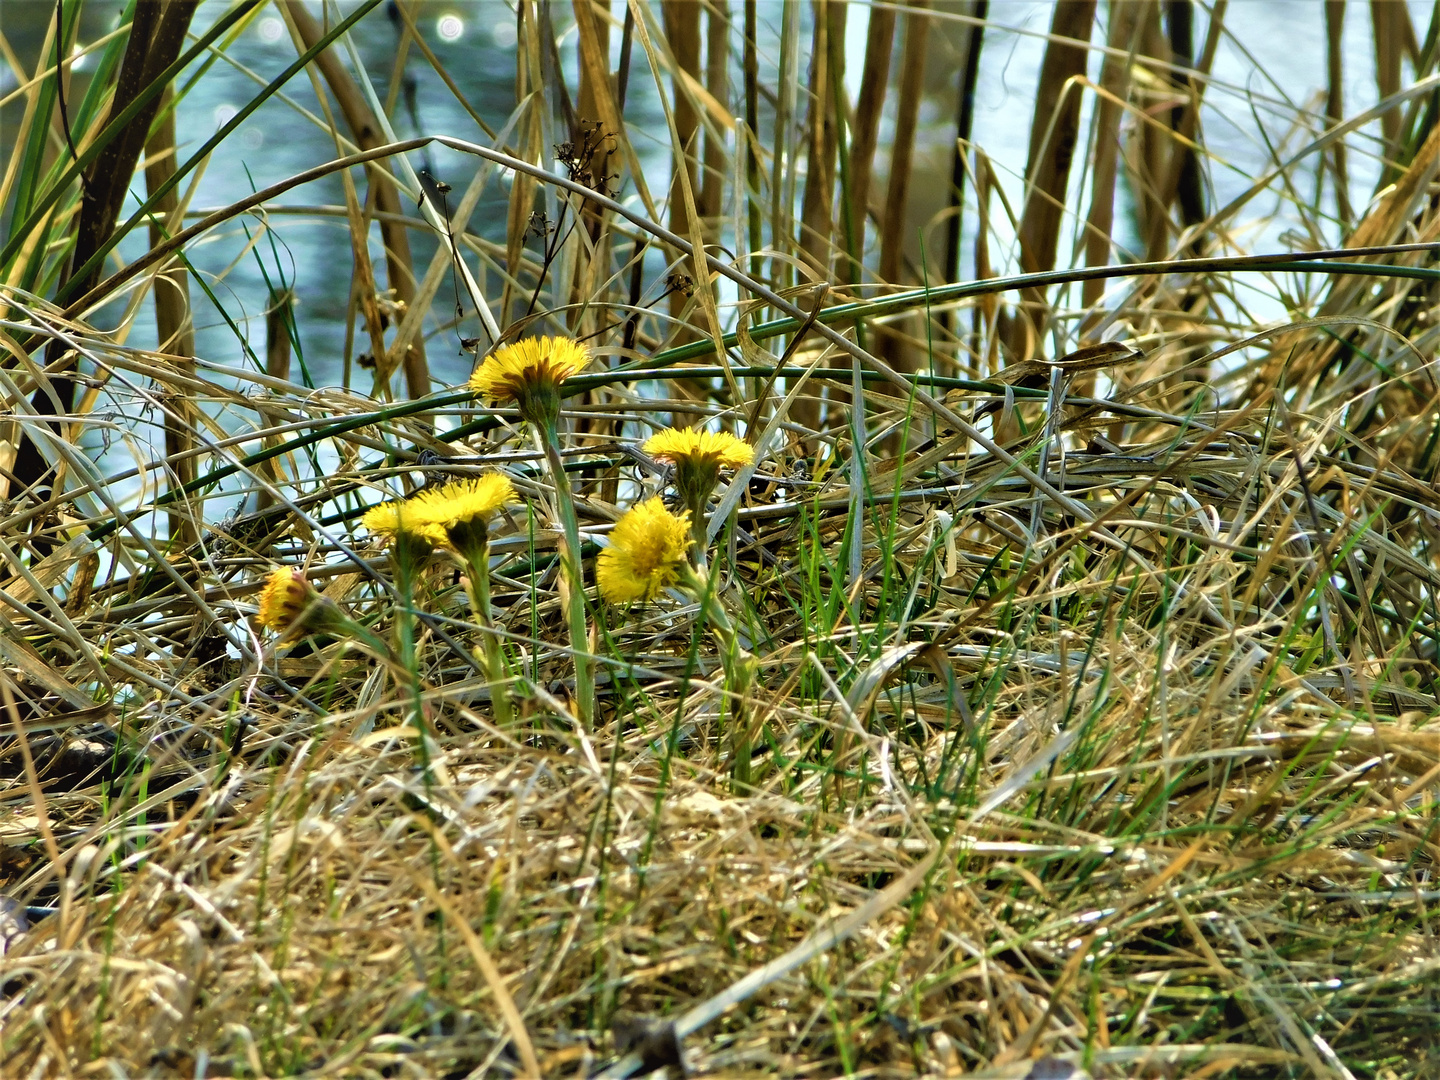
(1057, 681)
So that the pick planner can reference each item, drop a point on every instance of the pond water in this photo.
(1271, 64)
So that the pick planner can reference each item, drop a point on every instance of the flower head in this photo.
(396, 519)
(455, 513)
(290, 605)
(646, 553)
(463, 510)
(284, 599)
(462, 501)
(709, 448)
(698, 457)
(529, 373)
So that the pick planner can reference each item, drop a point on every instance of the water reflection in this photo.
(1271, 58)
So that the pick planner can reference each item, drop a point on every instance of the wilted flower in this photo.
(291, 605)
(646, 553)
(529, 373)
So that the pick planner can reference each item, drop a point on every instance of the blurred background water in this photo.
(1270, 65)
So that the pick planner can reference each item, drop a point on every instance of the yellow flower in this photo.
(708, 448)
(394, 519)
(445, 514)
(517, 372)
(290, 605)
(284, 599)
(698, 457)
(646, 553)
(461, 501)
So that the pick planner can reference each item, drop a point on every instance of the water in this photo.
(1272, 61)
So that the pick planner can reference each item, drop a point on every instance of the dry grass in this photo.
(1095, 701)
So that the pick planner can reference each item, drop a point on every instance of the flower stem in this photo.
(699, 528)
(477, 588)
(406, 556)
(740, 670)
(572, 580)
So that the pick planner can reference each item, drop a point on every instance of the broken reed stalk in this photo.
(682, 31)
(902, 152)
(174, 327)
(1054, 134)
(709, 199)
(893, 231)
(985, 353)
(1149, 150)
(869, 110)
(964, 123)
(396, 237)
(815, 241)
(1184, 184)
(596, 142)
(1335, 103)
(783, 178)
(279, 322)
(156, 39)
(1389, 26)
(1115, 84)
(750, 73)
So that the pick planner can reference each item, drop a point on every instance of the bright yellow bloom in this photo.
(698, 457)
(515, 372)
(434, 515)
(462, 501)
(290, 605)
(710, 448)
(393, 519)
(646, 553)
(284, 599)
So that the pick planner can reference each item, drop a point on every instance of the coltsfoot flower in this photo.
(284, 599)
(394, 519)
(646, 553)
(464, 509)
(290, 606)
(529, 373)
(710, 449)
(463, 501)
(456, 514)
(698, 457)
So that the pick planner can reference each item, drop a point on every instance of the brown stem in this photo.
(278, 320)
(875, 79)
(157, 34)
(368, 134)
(174, 328)
(822, 136)
(1054, 130)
